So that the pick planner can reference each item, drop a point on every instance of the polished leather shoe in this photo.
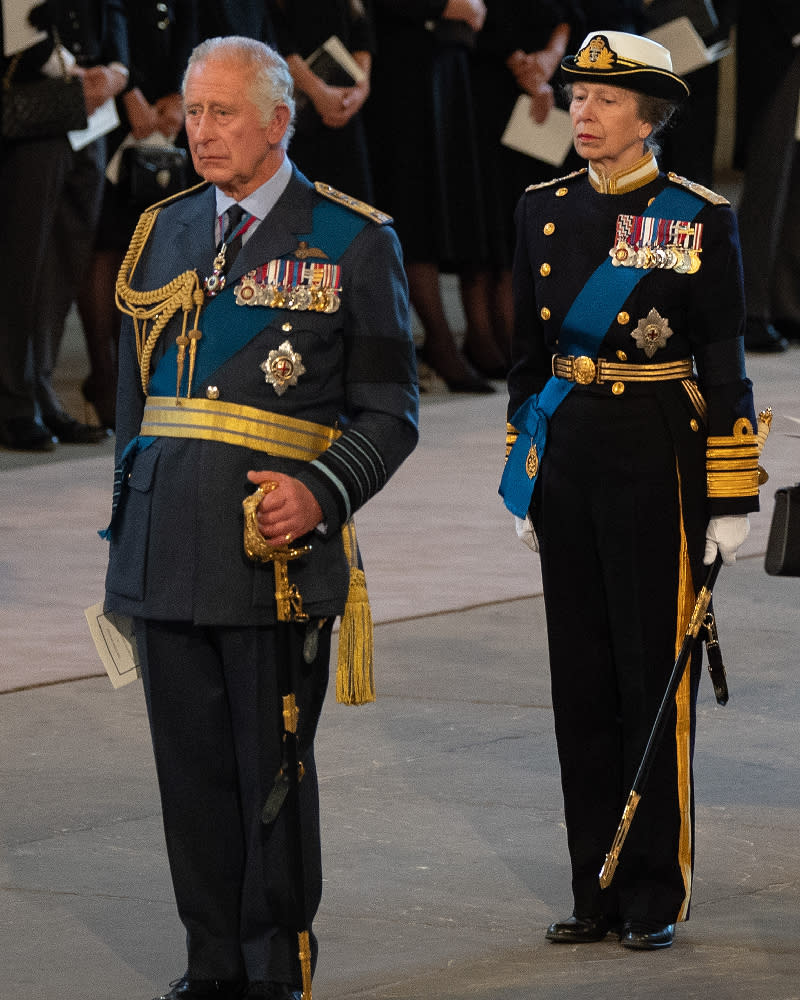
(68, 430)
(203, 989)
(24, 434)
(643, 935)
(579, 930)
(762, 337)
(272, 991)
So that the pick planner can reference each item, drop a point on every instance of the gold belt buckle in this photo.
(584, 370)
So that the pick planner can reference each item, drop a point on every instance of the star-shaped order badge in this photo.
(652, 332)
(283, 367)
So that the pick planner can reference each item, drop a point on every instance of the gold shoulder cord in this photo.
(158, 306)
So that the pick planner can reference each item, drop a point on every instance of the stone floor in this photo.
(444, 846)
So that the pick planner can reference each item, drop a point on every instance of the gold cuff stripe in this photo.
(732, 484)
(229, 423)
(720, 465)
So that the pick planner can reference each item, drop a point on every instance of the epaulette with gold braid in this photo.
(349, 202)
(700, 190)
(157, 306)
(556, 180)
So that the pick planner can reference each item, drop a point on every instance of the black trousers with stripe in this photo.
(610, 510)
(215, 712)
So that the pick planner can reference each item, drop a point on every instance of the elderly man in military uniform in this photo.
(266, 343)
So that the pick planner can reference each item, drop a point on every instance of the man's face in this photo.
(230, 145)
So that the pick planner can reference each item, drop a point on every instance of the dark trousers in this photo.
(608, 515)
(46, 231)
(214, 702)
(769, 208)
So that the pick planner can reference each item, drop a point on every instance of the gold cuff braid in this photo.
(511, 436)
(732, 462)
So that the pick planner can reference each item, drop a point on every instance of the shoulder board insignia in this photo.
(176, 196)
(357, 206)
(702, 192)
(556, 180)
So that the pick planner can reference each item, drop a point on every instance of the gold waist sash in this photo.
(585, 370)
(229, 423)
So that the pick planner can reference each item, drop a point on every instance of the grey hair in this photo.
(272, 82)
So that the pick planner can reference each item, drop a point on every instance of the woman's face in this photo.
(606, 127)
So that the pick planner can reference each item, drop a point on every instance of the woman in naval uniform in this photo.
(632, 461)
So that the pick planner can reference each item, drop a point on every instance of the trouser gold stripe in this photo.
(685, 605)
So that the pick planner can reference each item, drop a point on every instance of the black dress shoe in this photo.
(643, 935)
(579, 930)
(761, 336)
(203, 989)
(24, 434)
(68, 430)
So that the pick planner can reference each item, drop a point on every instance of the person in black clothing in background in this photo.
(766, 147)
(48, 224)
(424, 149)
(330, 142)
(518, 51)
(161, 36)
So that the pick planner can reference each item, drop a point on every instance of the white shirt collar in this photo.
(261, 201)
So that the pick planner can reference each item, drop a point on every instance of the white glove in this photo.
(725, 534)
(526, 533)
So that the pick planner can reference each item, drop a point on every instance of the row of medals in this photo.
(669, 258)
(249, 292)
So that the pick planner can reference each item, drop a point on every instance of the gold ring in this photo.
(288, 537)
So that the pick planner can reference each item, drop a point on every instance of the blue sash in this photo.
(582, 332)
(227, 328)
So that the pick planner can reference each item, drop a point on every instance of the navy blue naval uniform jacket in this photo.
(176, 550)
(570, 227)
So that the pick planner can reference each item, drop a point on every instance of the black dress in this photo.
(422, 134)
(505, 172)
(337, 156)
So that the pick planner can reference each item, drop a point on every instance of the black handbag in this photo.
(783, 544)
(151, 173)
(42, 108)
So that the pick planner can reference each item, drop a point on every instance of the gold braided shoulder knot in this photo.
(158, 305)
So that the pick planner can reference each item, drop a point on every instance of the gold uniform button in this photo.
(212, 392)
(622, 356)
(549, 228)
(544, 312)
(623, 318)
(618, 388)
(694, 425)
(561, 192)
(544, 270)
(286, 327)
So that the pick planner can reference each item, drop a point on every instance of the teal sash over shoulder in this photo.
(582, 332)
(228, 327)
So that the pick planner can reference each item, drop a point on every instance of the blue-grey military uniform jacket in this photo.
(176, 550)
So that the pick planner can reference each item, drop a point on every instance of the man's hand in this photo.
(288, 512)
